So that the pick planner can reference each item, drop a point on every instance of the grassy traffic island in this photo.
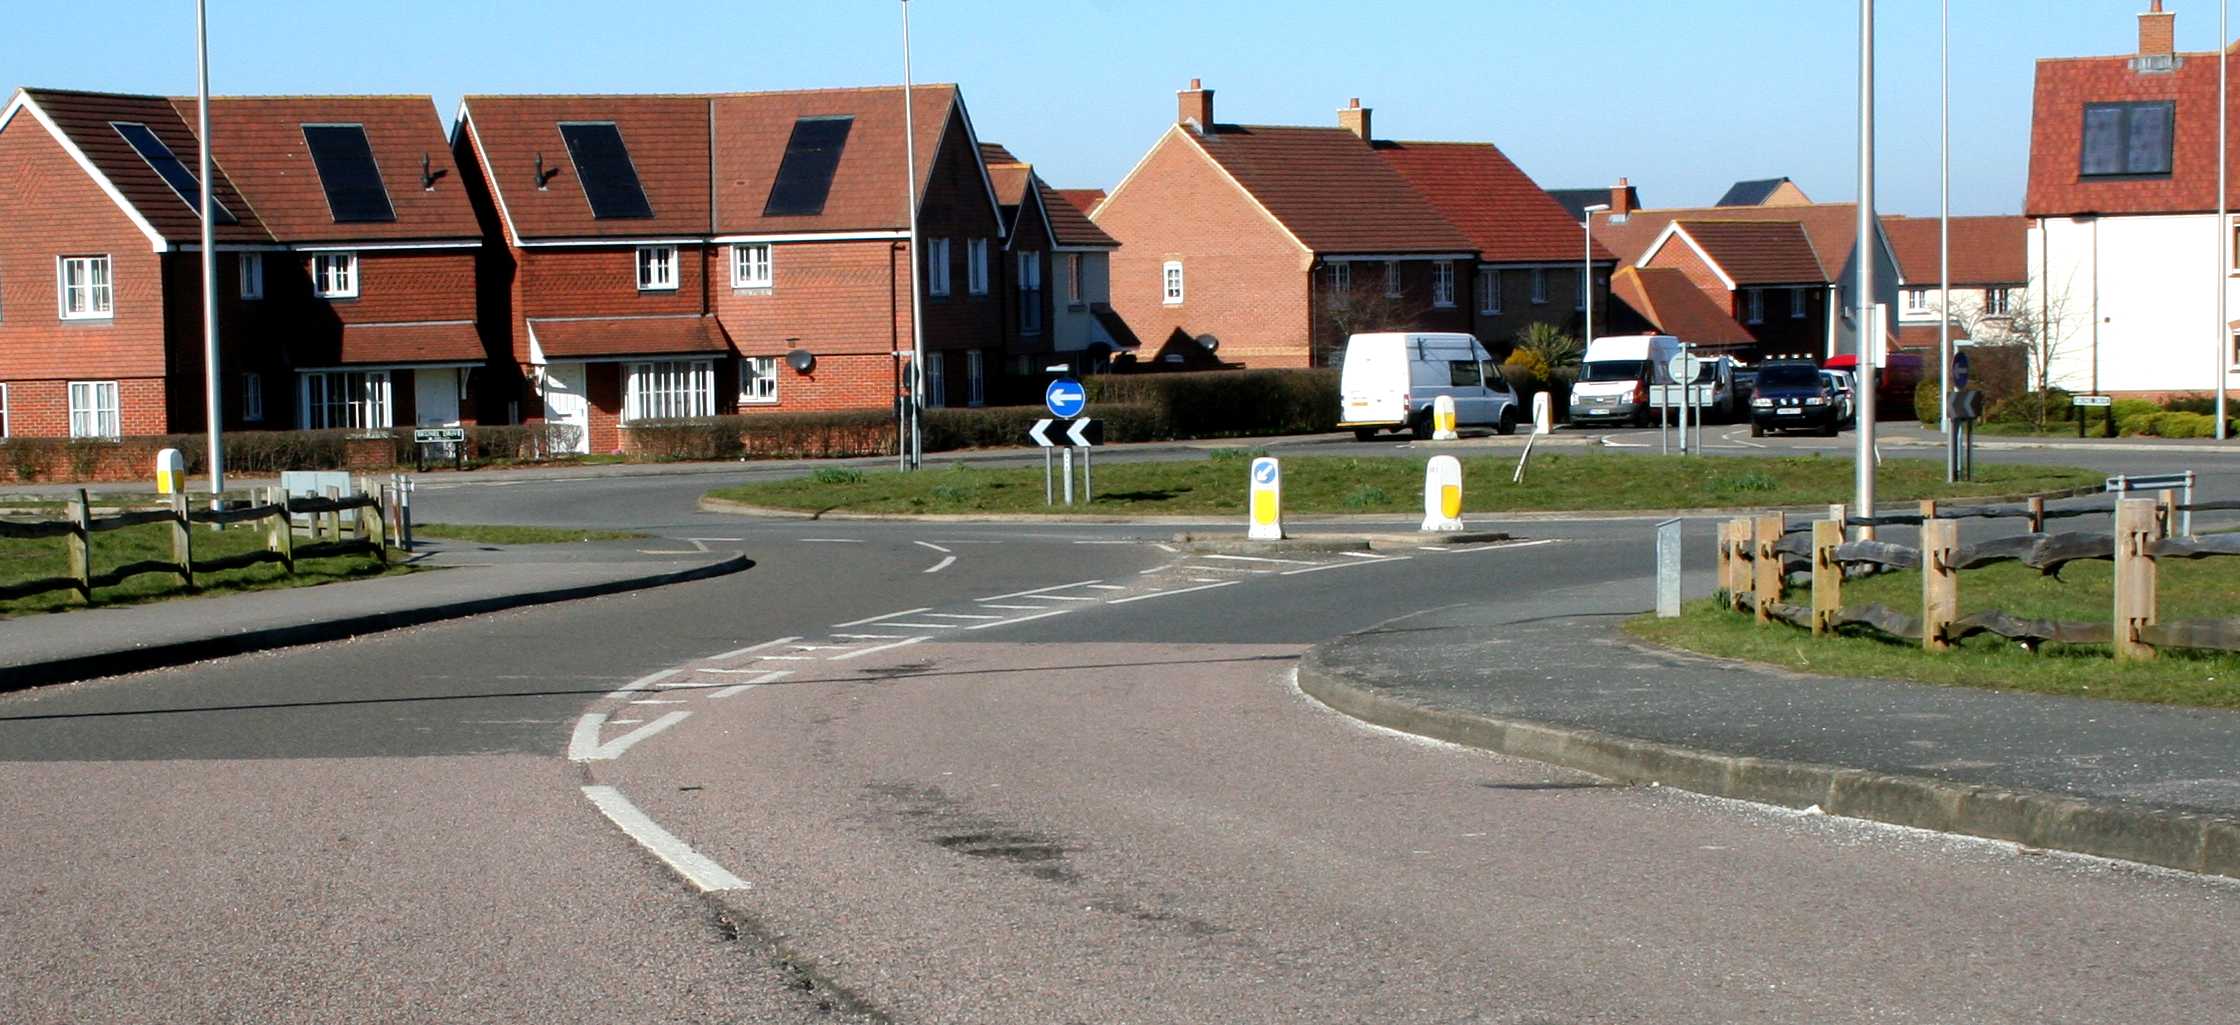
(1566, 481)
(25, 560)
(2186, 590)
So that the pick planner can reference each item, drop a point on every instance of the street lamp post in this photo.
(1868, 331)
(917, 379)
(1944, 239)
(1586, 275)
(2224, 225)
(212, 417)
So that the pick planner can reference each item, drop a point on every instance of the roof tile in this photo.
(1331, 190)
(1478, 189)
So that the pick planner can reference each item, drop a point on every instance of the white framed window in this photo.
(937, 381)
(1489, 290)
(937, 266)
(1539, 286)
(1073, 280)
(252, 275)
(657, 268)
(85, 290)
(252, 398)
(334, 275)
(3, 410)
(1996, 302)
(758, 380)
(1030, 294)
(669, 389)
(975, 380)
(1341, 280)
(1754, 305)
(976, 266)
(1170, 283)
(750, 265)
(1442, 283)
(1917, 300)
(1392, 279)
(346, 400)
(93, 409)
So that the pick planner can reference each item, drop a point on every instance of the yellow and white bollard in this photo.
(1543, 414)
(1442, 419)
(1267, 501)
(1442, 494)
(171, 472)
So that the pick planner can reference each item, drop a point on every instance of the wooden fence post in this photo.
(1725, 571)
(80, 543)
(2134, 576)
(2037, 514)
(1766, 587)
(1940, 582)
(284, 531)
(373, 521)
(182, 540)
(2165, 512)
(333, 517)
(1827, 575)
(1738, 568)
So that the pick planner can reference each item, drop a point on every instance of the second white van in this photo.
(1390, 379)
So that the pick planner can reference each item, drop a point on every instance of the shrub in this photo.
(28, 456)
(765, 436)
(2125, 409)
(1367, 496)
(1227, 403)
(1928, 401)
(1548, 346)
(2170, 425)
(521, 442)
(837, 475)
(2206, 405)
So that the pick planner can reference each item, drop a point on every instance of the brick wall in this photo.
(1412, 310)
(865, 381)
(572, 281)
(1682, 257)
(40, 408)
(1245, 281)
(1033, 237)
(957, 207)
(1518, 311)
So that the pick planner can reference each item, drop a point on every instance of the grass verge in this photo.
(491, 534)
(24, 560)
(1216, 485)
(2186, 590)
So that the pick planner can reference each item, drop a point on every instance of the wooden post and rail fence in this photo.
(374, 532)
(1757, 554)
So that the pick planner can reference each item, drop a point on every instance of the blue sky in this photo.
(1682, 96)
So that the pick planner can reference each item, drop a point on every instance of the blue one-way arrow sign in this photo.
(1065, 398)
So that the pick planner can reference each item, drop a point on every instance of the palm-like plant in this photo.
(1549, 345)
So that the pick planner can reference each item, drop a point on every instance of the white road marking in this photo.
(1104, 542)
(1106, 587)
(1440, 549)
(963, 615)
(778, 674)
(1021, 619)
(1040, 590)
(1362, 555)
(642, 682)
(929, 544)
(926, 626)
(831, 540)
(874, 619)
(1346, 565)
(1228, 569)
(735, 672)
(870, 637)
(1206, 580)
(787, 658)
(584, 746)
(1062, 597)
(1730, 436)
(1256, 558)
(1180, 590)
(1017, 608)
(946, 562)
(723, 540)
(860, 652)
(704, 874)
(657, 701)
(736, 652)
(1169, 549)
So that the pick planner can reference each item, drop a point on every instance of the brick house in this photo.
(663, 256)
(1063, 311)
(346, 248)
(1265, 245)
(1989, 273)
(2123, 233)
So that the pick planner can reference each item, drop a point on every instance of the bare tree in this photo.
(1359, 309)
(2038, 322)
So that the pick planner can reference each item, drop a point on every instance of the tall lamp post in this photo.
(212, 414)
(1944, 238)
(2224, 227)
(917, 378)
(1869, 332)
(1586, 269)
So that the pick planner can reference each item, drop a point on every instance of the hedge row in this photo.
(861, 433)
(265, 452)
(1226, 403)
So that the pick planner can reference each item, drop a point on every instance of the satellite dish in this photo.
(1209, 342)
(800, 360)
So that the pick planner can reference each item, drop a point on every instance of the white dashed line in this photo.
(929, 544)
(960, 615)
(1256, 558)
(642, 683)
(1346, 565)
(946, 562)
(788, 658)
(657, 701)
(1169, 594)
(1363, 555)
(874, 619)
(926, 626)
(832, 540)
(704, 874)
(1040, 590)
(870, 637)
(1169, 549)
(1021, 619)
(1106, 587)
(758, 681)
(584, 746)
(1015, 608)
(736, 652)
(860, 652)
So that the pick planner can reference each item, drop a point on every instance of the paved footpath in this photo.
(2143, 782)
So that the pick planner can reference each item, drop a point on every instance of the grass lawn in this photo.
(486, 534)
(1216, 485)
(23, 560)
(2186, 590)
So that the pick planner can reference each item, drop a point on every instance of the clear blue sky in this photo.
(1682, 96)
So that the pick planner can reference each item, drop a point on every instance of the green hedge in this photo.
(764, 436)
(1226, 403)
(2170, 425)
(1001, 426)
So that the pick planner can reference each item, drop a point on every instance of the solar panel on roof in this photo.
(805, 175)
(346, 169)
(175, 174)
(610, 179)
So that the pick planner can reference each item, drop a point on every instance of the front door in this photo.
(567, 400)
(435, 397)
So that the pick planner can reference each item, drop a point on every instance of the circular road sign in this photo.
(1959, 369)
(1065, 398)
(1684, 368)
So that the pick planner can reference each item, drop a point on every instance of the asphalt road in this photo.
(1057, 774)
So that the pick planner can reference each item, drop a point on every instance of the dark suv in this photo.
(1791, 395)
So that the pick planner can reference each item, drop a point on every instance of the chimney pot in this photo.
(1623, 199)
(1195, 106)
(1355, 118)
(1194, 84)
(2157, 32)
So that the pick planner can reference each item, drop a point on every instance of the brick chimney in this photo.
(1623, 199)
(1355, 118)
(1194, 106)
(2156, 34)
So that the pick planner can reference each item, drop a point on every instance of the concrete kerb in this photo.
(2190, 842)
(76, 668)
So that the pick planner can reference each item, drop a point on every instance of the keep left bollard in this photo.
(1442, 419)
(1266, 505)
(1442, 494)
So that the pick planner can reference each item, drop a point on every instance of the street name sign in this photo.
(438, 435)
(2092, 400)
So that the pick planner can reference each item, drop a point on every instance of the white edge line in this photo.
(736, 652)
(1256, 558)
(1040, 590)
(1014, 608)
(926, 626)
(946, 562)
(1106, 587)
(870, 637)
(1165, 594)
(585, 746)
(1345, 565)
(584, 743)
(874, 619)
(758, 681)
(929, 544)
(1169, 549)
(696, 868)
(964, 615)
(859, 652)
(643, 682)
(1021, 619)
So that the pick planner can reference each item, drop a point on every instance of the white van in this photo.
(1390, 380)
(1615, 375)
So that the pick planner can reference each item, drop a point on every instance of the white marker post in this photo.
(1442, 494)
(1543, 413)
(1267, 501)
(1442, 419)
(171, 472)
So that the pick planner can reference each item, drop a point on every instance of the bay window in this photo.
(669, 389)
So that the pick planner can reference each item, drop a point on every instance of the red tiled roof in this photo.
(994, 153)
(667, 137)
(1330, 189)
(1924, 336)
(84, 118)
(1757, 252)
(1069, 226)
(1010, 181)
(579, 338)
(1985, 250)
(1083, 200)
(1832, 227)
(1666, 298)
(429, 342)
(867, 187)
(1479, 190)
(2065, 85)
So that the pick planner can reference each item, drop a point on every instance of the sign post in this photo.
(1684, 368)
(1084, 434)
(1267, 500)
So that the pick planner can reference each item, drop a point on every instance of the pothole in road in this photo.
(940, 821)
(1039, 856)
